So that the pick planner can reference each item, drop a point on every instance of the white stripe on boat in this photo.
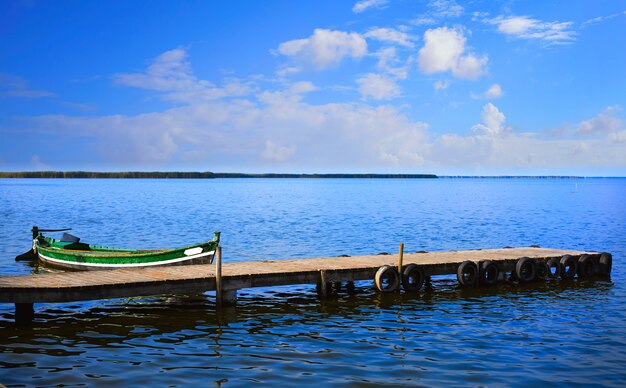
(153, 263)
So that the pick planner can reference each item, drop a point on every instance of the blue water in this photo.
(549, 333)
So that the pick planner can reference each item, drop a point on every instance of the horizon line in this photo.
(77, 174)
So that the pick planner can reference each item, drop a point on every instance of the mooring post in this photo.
(24, 313)
(400, 258)
(218, 275)
(325, 284)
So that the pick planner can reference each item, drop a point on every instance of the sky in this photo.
(370, 86)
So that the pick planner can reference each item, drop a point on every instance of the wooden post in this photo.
(325, 284)
(218, 275)
(400, 258)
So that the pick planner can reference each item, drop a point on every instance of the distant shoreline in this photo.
(213, 175)
(194, 175)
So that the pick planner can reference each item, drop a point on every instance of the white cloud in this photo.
(378, 87)
(423, 21)
(444, 50)
(604, 123)
(441, 84)
(169, 71)
(470, 67)
(493, 121)
(278, 128)
(494, 91)
(495, 147)
(325, 48)
(303, 87)
(389, 62)
(527, 28)
(390, 35)
(445, 8)
(285, 71)
(363, 5)
(601, 19)
(282, 130)
(277, 153)
(171, 74)
(437, 11)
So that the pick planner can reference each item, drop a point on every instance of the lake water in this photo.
(550, 333)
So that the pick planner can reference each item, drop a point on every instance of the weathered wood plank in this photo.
(74, 286)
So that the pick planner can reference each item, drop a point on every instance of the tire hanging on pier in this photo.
(467, 274)
(489, 272)
(542, 269)
(554, 268)
(587, 266)
(605, 264)
(387, 279)
(525, 270)
(412, 278)
(569, 267)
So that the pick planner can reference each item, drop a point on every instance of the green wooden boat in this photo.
(70, 253)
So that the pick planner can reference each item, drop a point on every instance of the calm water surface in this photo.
(551, 333)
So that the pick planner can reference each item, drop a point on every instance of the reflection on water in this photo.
(282, 334)
(547, 333)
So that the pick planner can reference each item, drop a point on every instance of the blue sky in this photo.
(445, 87)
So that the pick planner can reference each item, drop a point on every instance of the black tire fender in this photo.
(525, 270)
(412, 278)
(390, 275)
(586, 266)
(467, 274)
(554, 267)
(569, 267)
(605, 263)
(489, 272)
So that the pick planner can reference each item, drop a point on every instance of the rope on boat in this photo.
(255, 257)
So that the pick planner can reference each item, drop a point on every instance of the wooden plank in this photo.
(70, 286)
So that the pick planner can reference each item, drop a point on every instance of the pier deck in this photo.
(25, 290)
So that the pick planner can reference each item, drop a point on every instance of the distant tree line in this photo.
(193, 175)
(117, 175)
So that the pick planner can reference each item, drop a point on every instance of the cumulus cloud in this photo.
(493, 121)
(171, 73)
(325, 48)
(378, 87)
(270, 128)
(390, 35)
(444, 50)
(491, 146)
(275, 127)
(363, 5)
(494, 91)
(605, 122)
(527, 28)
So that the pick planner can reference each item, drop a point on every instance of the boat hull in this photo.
(93, 257)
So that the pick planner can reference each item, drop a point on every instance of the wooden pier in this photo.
(471, 267)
